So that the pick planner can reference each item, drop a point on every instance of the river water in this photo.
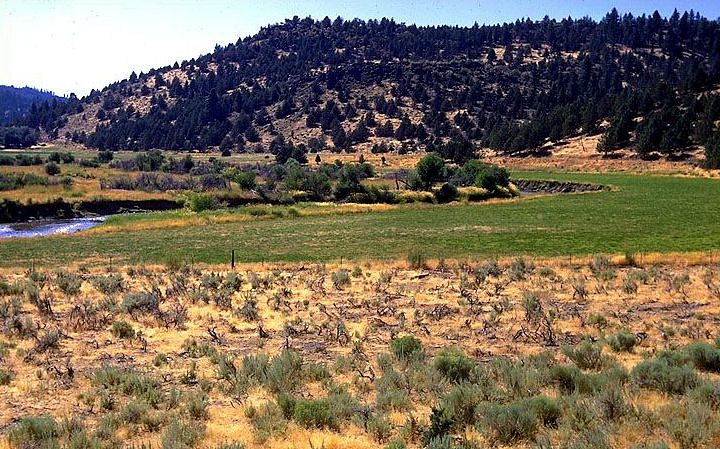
(41, 228)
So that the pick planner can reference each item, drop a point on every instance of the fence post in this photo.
(232, 260)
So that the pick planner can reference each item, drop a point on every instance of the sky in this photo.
(77, 45)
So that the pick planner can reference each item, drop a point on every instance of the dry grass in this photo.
(580, 154)
(448, 304)
(86, 186)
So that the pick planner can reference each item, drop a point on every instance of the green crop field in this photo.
(643, 213)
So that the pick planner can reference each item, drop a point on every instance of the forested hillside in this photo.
(645, 82)
(16, 101)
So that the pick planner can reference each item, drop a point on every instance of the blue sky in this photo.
(74, 46)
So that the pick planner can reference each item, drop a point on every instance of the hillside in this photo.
(16, 102)
(647, 82)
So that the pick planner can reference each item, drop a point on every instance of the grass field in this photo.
(641, 214)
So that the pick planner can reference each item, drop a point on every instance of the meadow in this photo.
(640, 214)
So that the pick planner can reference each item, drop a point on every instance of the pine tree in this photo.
(617, 134)
(712, 151)
(648, 136)
(339, 137)
(491, 56)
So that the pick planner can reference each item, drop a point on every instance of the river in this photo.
(39, 228)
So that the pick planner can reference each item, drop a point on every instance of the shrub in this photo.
(586, 355)
(440, 442)
(453, 364)
(565, 377)
(406, 348)
(492, 177)
(11, 181)
(489, 268)
(268, 421)
(622, 341)
(232, 282)
(379, 427)
(598, 321)
(245, 179)
(510, 423)
(446, 193)
(5, 377)
(112, 283)
(233, 445)
(144, 302)
(396, 444)
(160, 360)
(79, 439)
(460, 404)
(342, 405)
(52, 169)
(612, 403)
(105, 156)
(122, 329)
(629, 285)
(590, 438)
(198, 202)
(34, 432)
(392, 399)
(64, 157)
(692, 425)
(197, 405)
(601, 268)
(417, 260)
(284, 372)
(182, 434)
(547, 410)
(658, 374)
(653, 445)
(213, 181)
(249, 310)
(705, 357)
(127, 382)
(580, 414)
(520, 268)
(150, 182)
(707, 393)
(107, 426)
(49, 339)
(286, 403)
(341, 278)
(68, 283)
(133, 412)
(441, 423)
(311, 413)
(518, 379)
(374, 194)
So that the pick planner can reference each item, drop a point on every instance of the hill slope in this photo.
(646, 81)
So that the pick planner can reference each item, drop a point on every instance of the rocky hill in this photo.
(644, 82)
